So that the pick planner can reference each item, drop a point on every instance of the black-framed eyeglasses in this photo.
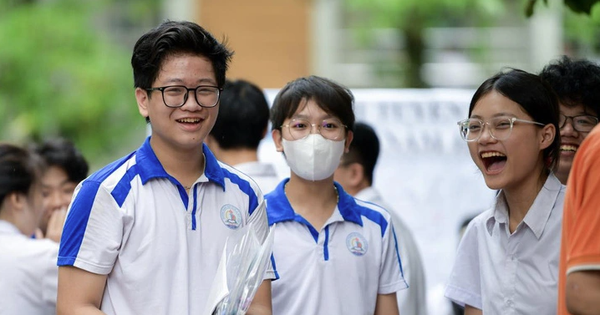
(176, 95)
(581, 123)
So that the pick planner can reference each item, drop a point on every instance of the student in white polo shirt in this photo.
(145, 234)
(334, 254)
(507, 260)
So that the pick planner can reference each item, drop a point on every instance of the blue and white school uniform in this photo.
(159, 245)
(338, 270)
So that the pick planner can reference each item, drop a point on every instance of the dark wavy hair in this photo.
(62, 153)
(574, 82)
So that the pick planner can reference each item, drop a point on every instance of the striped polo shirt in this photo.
(341, 268)
(159, 245)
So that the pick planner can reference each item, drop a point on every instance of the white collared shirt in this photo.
(503, 273)
(412, 301)
(341, 268)
(159, 245)
(28, 273)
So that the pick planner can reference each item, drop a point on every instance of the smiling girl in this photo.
(507, 261)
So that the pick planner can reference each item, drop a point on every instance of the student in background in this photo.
(66, 167)
(145, 234)
(579, 268)
(28, 272)
(334, 254)
(507, 260)
(241, 125)
(576, 83)
(355, 174)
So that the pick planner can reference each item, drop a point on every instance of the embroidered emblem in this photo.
(357, 244)
(231, 216)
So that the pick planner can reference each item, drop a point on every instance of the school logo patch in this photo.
(231, 216)
(357, 244)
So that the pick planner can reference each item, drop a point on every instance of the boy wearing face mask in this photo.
(335, 254)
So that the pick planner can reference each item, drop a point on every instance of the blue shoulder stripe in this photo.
(123, 187)
(375, 217)
(244, 187)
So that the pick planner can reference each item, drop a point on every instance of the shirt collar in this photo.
(539, 213)
(149, 166)
(280, 210)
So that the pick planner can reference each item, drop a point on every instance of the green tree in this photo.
(577, 6)
(61, 75)
(411, 17)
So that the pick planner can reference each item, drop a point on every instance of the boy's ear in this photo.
(356, 171)
(15, 201)
(276, 134)
(141, 96)
(548, 133)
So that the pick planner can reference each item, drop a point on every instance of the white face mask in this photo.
(314, 157)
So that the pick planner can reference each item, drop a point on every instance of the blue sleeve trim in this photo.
(274, 267)
(397, 252)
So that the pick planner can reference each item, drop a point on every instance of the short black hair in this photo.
(330, 96)
(19, 169)
(534, 96)
(62, 153)
(364, 149)
(173, 37)
(574, 82)
(243, 116)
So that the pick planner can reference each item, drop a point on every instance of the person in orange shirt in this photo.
(579, 267)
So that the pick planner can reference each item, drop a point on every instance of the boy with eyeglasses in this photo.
(335, 254)
(145, 234)
(576, 83)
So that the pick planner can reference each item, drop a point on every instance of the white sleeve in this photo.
(464, 284)
(391, 278)
(93, 230)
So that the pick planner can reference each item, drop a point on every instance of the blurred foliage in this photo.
(61, 75)
(411, 17)
(582, 32)
(577, 6)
